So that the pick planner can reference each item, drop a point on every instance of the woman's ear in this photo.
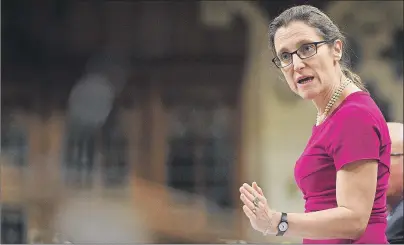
(337, 50)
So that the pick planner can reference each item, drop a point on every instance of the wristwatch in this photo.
(283, 225)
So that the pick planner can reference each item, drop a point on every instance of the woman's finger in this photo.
(249, 213)
(251, 194)
(251, 190)
(247, 194)
(247, 202)
(257, 188)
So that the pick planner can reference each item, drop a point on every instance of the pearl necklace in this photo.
(334, 98)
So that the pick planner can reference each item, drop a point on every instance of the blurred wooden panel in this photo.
(188, 220)
(10, 183)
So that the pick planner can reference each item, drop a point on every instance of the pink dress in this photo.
(356, 130)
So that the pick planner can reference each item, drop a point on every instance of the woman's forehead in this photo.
(292, 36)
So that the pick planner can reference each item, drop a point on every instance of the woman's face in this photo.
(319, 69)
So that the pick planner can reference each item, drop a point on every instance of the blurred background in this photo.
(127, 121)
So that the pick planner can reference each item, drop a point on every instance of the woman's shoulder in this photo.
(358, 114)
(360, 107)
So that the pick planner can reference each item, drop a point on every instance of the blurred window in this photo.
(83, 147)
(79, 158)
(14, 142)
(115, 151)
(13, 225)
(201, 151)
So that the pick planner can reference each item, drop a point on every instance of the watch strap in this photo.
(284, 219)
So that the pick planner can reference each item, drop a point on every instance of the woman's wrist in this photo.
(274, 219)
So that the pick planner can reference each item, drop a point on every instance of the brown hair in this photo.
(315, 18)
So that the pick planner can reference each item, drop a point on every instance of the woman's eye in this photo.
(308, 48)
(285, 56)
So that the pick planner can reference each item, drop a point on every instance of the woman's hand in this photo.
(262, 218)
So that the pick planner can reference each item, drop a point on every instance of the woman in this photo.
(343, 171)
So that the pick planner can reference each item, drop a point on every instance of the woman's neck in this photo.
(322, 100)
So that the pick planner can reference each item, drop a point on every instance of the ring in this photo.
(256, 201)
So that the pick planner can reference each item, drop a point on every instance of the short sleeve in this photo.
(355, 136)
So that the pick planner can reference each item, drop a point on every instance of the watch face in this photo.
(283, 226)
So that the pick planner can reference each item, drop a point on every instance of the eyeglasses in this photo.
(305, 51)
(396, 154)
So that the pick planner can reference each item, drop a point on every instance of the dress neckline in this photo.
(316, 127)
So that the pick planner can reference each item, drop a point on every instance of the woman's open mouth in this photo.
(305, 80)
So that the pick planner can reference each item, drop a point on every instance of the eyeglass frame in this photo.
(295, 52)
(396, 154)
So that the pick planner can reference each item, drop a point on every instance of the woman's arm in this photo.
(358, 136)
(356, 189)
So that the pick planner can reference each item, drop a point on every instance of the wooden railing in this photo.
(164, 214)
(187, 220)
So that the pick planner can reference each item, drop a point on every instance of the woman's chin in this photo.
(307, 95)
